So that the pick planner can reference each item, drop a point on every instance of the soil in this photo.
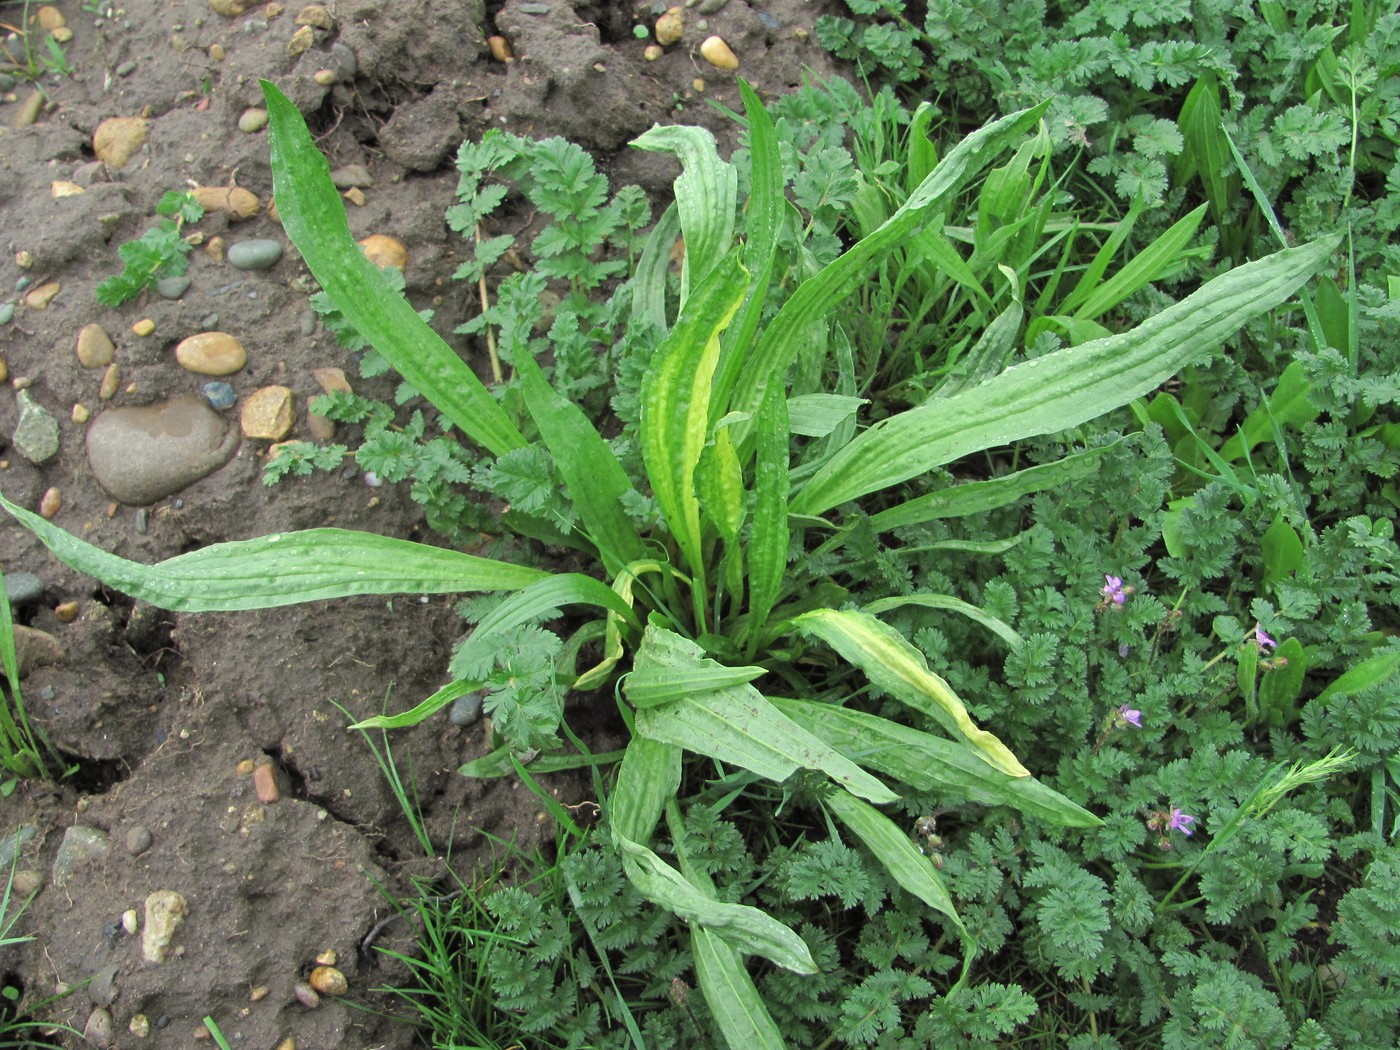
(164, 714)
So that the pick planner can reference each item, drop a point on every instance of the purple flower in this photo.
(1179, 821)
(1114, 591)
(1129, 716)
(1262, 640)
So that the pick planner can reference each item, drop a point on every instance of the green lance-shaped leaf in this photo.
(768, 542)
(592, 474)
(1062, 389)
(813, 299)
(894, 849)
(283, 569)
(930, 763)
(314, 217)
(747, 929)
(733, 723)
(707, 191)
(943, 601)
(721, 484)
(978, 496)
(730, 993)
(675, 401)
(648, 778)
(895, 666)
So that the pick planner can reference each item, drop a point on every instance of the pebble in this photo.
(532, 9)
(234, 201)
(465, 710)
(327, 958)
(118, 138)
(172, 287)
(21, 588)
(329, 981)
(258, 254)
(265, 783)
(769, 22)
(252, 120)
(101, 988)
(111, 382)
(35, 648)
(144, 327)
(321, 428)
(130, 923)
(51, 503)
(306, 321)
(7, 82)
(29, 111)
(325, 77)
(4, 370)
(228, 8)
(383, 250)
(50, 18)
(315, 15)
(710, 7)
(220, 395)
(331, 380)
(80, 413)
(67, 612)
(139, 1026)
(139, 840)
(98, 1030)
(211, 354)
(301, 41)
(36, 435)
(81, 845)
(40, 297)
(12, 843)
(268, 413)
(670, 27)
(258, 993)
(27, 882)
(214, 247)
(352, 176)
(289, 1043)
(217, 52)
(60, 188)
(95, 347)
(716, 52)
(306, 995)
(141, 455)
(7, 312)
(652, 52)
(500, 49)
(165, 911)
(345, 59)
(355, 196)
(125, 69)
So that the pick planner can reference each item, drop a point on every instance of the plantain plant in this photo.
(691, 539)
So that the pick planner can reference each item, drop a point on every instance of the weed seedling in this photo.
(159, 252)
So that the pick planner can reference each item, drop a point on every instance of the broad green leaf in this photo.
(978, 496)
(1246, 677)
(1288, 405)
(649, 282)
(1061, 389)
(1281, 687)
(1282, 550)
(815, 298)
(817, 415)
(313, 216)
(721, 485)
(943, 601)
(747, 929)
(930, 763)
(894, 849)
(895, 666)
(707, 192)
(675, 401)
(649, 777)
(734, 723)
(768, 541)
(730, 994)
(988, 355)
(654, 685)
(592, 474)
(283, 569)
(529, 604)
(1363, 676)
(1206, 152)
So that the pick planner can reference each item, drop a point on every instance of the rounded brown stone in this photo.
(234, 201)
(383, 250)
(51, 503)
(211, 354)
(95, 347)
(117, 138)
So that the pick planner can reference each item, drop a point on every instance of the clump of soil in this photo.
(168, 717)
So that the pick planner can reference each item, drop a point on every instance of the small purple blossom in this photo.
(1114, 591)
(1129, 716)
(1179, 821)
(1262, 639)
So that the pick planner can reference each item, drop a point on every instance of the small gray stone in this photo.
(307, 321)
(7, 313)
(126, 69)
(465, 710)
(36, 436)
(710, 7)
(352, 176)
(21, 588)
(99, 1028)
(7, 82)
(533, 9)
(172, 287)
(102, 989)
(140, 455)
(258, 254)
(346, 63)
(219, 395)
(138, 840)
(11, 845)
(80, 846)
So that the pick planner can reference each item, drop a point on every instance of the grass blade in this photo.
(314, 217)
